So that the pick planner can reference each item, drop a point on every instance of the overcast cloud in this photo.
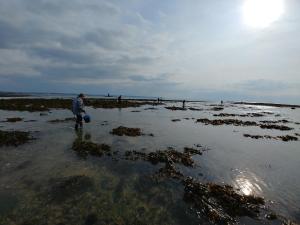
(197, 49)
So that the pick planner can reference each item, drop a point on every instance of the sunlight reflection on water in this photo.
(249, 183)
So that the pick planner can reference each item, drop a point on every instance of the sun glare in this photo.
(261, 13)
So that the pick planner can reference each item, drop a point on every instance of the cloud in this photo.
(173, 47)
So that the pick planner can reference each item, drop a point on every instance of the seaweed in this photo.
(14, 138)
(132, 132)
(220, 204)
(235, 122)
(13, 119)
(174, 108)
(283, 138)
(85, 148)
(274, 126)
(227, 122)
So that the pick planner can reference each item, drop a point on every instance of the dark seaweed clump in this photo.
(240, 115)
(283, 138)
(176, 120)
(173, 108)
(13, 119)
(220, 204)
(14, 138)
(195, 109)
(170, 156)
(132, 132)
(85, 148)
(242, 123)
(227, 122)
(31, 105)
(273, 122)
(274, 126)
(217, 108)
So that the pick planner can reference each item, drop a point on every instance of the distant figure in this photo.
(120, 99)
(183, 104)
(78, 109)
(108, 95)
(221, 102)
(157, 100)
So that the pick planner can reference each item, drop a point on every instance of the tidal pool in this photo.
(46, 182)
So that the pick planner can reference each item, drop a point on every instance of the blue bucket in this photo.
(87, 118)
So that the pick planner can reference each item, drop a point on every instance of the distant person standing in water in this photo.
(183, 104)
(78, 109)
(120, 99)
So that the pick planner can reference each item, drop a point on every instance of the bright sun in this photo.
(261, 13)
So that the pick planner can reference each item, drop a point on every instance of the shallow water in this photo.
(122, 192)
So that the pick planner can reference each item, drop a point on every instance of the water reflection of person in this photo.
(80, 137)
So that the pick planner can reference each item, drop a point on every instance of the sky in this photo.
(192, 49)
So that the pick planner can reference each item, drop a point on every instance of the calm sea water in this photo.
(122, 192)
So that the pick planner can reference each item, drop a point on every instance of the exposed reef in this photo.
(283, 138)
(240, 115)
(275, 127)
(227, 122)
(39, 104)
(219, 122)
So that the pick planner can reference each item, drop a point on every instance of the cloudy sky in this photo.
(193, 49)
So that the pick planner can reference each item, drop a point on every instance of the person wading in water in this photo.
(78, 109)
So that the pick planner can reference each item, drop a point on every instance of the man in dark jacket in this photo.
(78, 109)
